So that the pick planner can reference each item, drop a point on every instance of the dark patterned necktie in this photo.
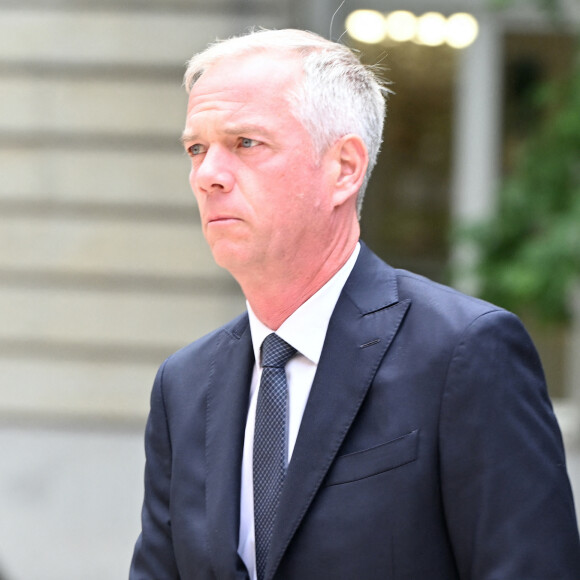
(270, 443)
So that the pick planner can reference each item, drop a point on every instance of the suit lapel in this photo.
(227, 404)
(365, 321)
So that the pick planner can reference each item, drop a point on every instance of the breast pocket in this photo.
(369, 462)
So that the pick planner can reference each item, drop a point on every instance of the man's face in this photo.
(264, 197)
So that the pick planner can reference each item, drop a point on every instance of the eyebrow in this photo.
(189, 136)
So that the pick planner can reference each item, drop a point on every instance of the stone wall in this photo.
(103, 268)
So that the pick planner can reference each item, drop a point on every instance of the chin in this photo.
(229, 258)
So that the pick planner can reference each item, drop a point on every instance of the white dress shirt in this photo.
(305, 329)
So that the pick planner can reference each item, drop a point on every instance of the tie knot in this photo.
(276, 352)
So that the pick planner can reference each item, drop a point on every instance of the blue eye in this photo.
(196, 149)
(246, 142)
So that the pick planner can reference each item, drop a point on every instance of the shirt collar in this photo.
(305, 329)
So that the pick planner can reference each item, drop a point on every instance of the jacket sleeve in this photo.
(153, 558)
(508, 502)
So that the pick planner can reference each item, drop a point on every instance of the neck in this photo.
(274, 298)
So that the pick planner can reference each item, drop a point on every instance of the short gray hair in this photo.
(338, 95)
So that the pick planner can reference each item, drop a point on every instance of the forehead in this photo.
(262, 79)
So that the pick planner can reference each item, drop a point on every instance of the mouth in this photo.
(225, 219)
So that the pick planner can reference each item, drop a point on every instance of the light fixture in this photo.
(462, 30)
(431, 29)
(401, 25)
(366, 26)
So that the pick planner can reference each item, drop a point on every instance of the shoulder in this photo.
(201, 351)
(442, 311)
(377, 284)
(439, 318)
(182, 379)
(439, 298)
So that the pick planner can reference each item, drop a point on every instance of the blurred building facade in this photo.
(103, 268)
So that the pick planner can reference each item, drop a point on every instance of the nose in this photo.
(213, 173)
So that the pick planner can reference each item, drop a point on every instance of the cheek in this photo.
(193, 176)
(199, 202)
(192, 182)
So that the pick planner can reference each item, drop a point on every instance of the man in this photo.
(418, 441)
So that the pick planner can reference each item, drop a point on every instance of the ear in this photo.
(352, 158)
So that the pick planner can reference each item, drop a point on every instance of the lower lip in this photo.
(223, 221)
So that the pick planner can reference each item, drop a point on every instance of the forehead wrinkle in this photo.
(237, 105)
(247, 128)
(234, 117)
(191, 133)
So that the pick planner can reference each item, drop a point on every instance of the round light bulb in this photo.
(462, 30)
(431, 29)
(366, 26)
(401, 25)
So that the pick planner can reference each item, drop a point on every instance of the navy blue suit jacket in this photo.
(428, 449)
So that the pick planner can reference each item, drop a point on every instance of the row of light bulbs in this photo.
(431, 29)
